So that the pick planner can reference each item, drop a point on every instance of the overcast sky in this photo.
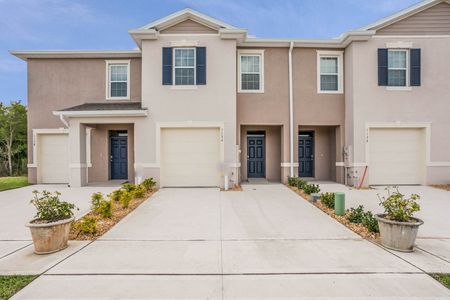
(103, 24)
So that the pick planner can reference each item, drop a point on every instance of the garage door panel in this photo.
(53, 160)
(397, 156)
(190, 157)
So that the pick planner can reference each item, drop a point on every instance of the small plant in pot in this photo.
(398, 227)
(51, 225)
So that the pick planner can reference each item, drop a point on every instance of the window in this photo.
(330, 72)
(118, 75)
(397, 67)
(184, 66)
(251, 70)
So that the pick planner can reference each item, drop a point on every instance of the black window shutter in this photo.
(201, 65)
(382, 67)
(167, 66)
(414, 55)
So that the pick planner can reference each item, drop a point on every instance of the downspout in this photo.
(291, 114)
(61, 117)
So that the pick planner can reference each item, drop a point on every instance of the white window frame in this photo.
(251, 52)
(184, 67)
(110, 63)
(340, 65)
(407, 83)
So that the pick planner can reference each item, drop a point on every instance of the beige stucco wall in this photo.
(100, 151)
(273, 150)
(213, 104)
(59, 83)
(427, 103)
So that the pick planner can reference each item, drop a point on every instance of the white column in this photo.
(77, 154)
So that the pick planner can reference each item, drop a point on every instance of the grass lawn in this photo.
(443, 278)
(7, 183)
(9, 285)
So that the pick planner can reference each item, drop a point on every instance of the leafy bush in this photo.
(87, 225)
(356, 215)
(139, 191)
(115, 195)
(50, 208)
(129, 187)
(301, 183)
(370, 222)
(148, 184)
(96, 198)
(105, 208)
(311, 188)
(327, 199)
(397, 207)
(126, 198)
(292, 181)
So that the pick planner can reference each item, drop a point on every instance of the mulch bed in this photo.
(104, 224)
(442, 186)
(235, 188)
(357, 228)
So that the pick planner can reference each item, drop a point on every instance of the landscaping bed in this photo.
(108, 211)
(356, 219)
(234, 188)
(442, 186)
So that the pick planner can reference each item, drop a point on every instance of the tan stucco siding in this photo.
(100, 151)
(188, 26)
(432, 21)
(428, 103)
(60, 83)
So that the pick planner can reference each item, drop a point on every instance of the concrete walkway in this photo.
(262, 243)
(433, 244)
(16, 249)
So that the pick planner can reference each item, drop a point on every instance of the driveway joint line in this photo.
(16, 250)
(432, 254)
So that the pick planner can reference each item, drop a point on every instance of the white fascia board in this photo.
(233, 34)
(102, 113)
(143, 34)
(184, 14)
(402, 14)
(25, 54)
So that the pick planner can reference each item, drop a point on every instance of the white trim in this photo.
(438, 164)
(340, 65)
(184, 43)
(102, 113)
(78, 166)
(88, 146)
(340, 164)
(184, 67)
(25, 54)
(251, 52)
(110, 63)
(235, 165)
(399, 44)
(407, 70)
(146, 165)
(184, 87)
(399, 88)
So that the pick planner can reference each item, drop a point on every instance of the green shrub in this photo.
(96, 198)
(87, 225)
(311, 188)
(292, 181)
(327, 199)
(370, 222)
(105, 208)
(126, 198)
(115, 195)
(50, 208)
(129, 187)
(139, 191)
(356, 215)
(301, 183)
(148, 184)
(397, 207)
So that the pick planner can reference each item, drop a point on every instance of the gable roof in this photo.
(183, 15)
(412, 10)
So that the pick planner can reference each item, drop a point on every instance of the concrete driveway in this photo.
(433, 243)
(264, 242)
(15, 239)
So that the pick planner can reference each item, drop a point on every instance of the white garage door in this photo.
(397, 156)
(190, 157)
(53, 162)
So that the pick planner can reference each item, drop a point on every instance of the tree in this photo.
(13, 134)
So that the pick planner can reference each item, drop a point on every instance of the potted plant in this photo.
(51, 225)
(398, 227)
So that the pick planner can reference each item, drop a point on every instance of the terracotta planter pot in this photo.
(50, 237)
(399, 236)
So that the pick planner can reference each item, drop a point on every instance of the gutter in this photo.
(291, 114)
(102, 113)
